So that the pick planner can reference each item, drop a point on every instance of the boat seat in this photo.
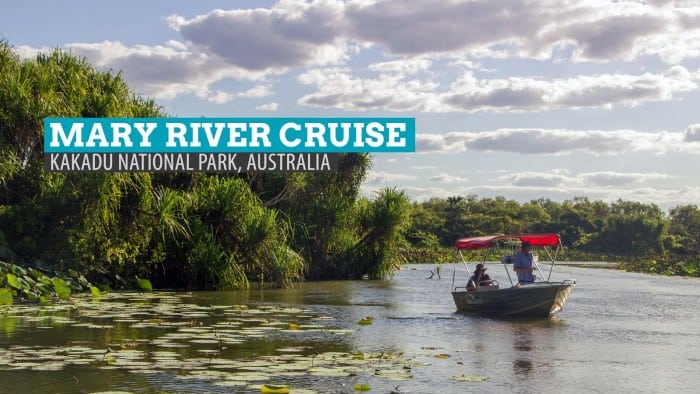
(488, 288)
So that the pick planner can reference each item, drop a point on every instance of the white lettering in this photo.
(176, 130)
(258, 132)
(315, 131)
(283, 135)
(75, 134)
(97, 133)
(235, 138)
(145, 133)
(374, 138)
(394, 138)
(120, 131)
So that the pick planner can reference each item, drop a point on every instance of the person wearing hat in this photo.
(480, 276)
(523, 265)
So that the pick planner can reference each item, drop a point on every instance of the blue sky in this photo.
(521, 99)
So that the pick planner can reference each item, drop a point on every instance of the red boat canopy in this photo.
(486, 241)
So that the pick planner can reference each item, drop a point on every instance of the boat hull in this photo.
(540, 299)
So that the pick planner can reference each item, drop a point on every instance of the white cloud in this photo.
(379, 178)
(268, 107)
(591, 29)
(692, 133)
(532, 179)
(403, 66)
(337, 88)
(447, 178)
(292, 33)
(555, 141)
(217, 96)
(163, 71)
(256, 92)
(251, 44)
(611, 178)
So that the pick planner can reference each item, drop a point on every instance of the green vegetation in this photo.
(640, 236)
(223, 231)
(195, 231)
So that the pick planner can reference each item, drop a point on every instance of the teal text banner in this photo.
(249, 135)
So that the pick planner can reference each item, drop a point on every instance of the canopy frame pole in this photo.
(552, 259)
(537, 265)
(505, 265)
(466, 267)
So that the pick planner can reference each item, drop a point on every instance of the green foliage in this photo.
(144, 284)
(5, 296)
(95, 291)
(382, 223)
(13, 281)
(639, 234)
(61, 288)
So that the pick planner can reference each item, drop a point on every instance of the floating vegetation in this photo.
(273, 389)
(470, 378)
(161, 334)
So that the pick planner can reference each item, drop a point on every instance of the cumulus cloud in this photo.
(404, 66)
(268, 107)
(418, 26)
(164, 71)
(554, 141)
(447, 178)
(338, 88)
(252, 44)
(532, 179)
(380, 178)
(692, 133)
(592, 30)
(291, 33)
(611, 178)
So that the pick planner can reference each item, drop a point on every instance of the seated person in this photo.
(480, 276)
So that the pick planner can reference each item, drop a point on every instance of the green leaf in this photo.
(95, 291)
(144, 284)
(5, 296)
(61, 288)
(13, 281)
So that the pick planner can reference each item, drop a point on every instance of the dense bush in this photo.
(200, 231)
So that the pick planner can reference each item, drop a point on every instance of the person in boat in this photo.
(523, 264)
(480, 276)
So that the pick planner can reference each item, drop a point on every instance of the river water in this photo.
(619, 332)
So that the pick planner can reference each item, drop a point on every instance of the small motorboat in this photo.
(540, 298)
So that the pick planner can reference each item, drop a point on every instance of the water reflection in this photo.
(523, 365)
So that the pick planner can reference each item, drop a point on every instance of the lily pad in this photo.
(274, 389)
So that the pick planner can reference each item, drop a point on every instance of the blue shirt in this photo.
(524, 260)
